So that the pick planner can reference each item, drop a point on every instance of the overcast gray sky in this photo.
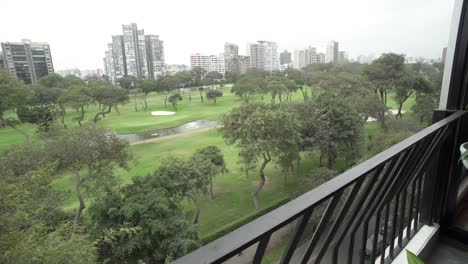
(78, 31)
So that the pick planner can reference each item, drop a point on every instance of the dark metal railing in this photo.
(367, 213)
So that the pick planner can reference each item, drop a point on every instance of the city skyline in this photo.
(397, 26)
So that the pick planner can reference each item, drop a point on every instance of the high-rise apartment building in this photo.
(135, 50)
(264, 55)
(342, 57)
(208, 62)
(332, 52)
(231, 57)
(27, 60)
(155, 53)
(285, 57)
(1, 61)
(134, 53)
(307, 56)
(244, 64)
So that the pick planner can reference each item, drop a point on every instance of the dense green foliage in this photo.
(276, 123)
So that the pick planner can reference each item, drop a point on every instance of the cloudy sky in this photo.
(78, 31)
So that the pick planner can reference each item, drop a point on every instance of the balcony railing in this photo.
(367, 213)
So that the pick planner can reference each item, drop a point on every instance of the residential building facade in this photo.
(208, 62)
(1, 61)
(307, 56)
(244, 64)
(332, 53)
(28, 61)
(134, 53)
(264, 55)
(155, 54)
(285, 57)
(231, 57)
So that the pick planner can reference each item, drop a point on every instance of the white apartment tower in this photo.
(264, 55)
(155, 55)
(231, 57)
(307, 56)
(135, 50)
(332, 54)
(133, 53)
(208, 62)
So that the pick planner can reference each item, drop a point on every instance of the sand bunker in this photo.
(162, 113)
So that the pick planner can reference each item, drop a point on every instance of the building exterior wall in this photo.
(155, 54)
(208, 62)
(244, 64)
(332, 52)
(307, 56)
(134, 53)
(231, 57)
(285, 57)
(28, 61)
(264, 55)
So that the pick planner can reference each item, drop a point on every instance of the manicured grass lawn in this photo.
(232, 190)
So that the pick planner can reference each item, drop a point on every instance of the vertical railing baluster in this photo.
(418, 201)
(401, 224)
(376, 235)
(261, 248)
(362, 252)
(394, 226)
(384, 236)
(411, 209)
(321, 226)
(336, 225)
(362, 199)
(297, 236)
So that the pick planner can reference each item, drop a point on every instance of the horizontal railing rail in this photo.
(382, 194)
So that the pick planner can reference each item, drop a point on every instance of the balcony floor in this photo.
(446, 254)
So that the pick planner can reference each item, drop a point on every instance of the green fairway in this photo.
(232, 190)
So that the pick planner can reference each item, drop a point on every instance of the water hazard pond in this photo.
(187, 127)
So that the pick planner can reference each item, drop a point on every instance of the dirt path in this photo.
(185, 134)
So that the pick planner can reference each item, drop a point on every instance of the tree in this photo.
(210, 162)
(184, 179)
(407, 85)
(91, 154)
(13, 95)
(77, 97)
(213, 94)
(340, 129)
(174, 99)
(212, 77)
(43, 115)
(197, 75)
(245, 88)
(135, 93)
(424, 106)
(167, 84)
(127, 82)
(52, 81)
(147, 86)
(262, 132)
(30, 229)
(297, 76)
(143, 222)
(231, 77)
(276, 88)
(108, 97)
(382, 74)
(200, 90)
